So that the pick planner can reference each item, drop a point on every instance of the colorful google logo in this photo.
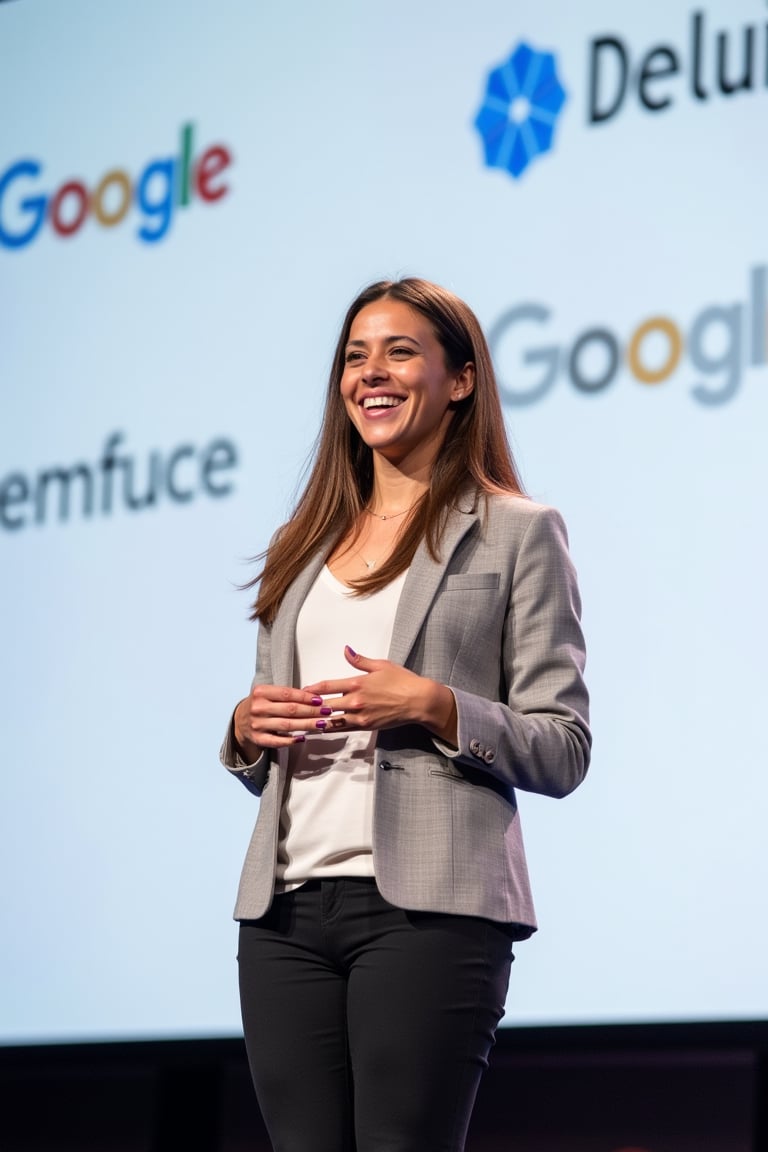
(162, 186)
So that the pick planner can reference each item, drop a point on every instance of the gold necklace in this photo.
(391, 515)
(371, 564)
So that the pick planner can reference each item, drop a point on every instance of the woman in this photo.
(419, 657)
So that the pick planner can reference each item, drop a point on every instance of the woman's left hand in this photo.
(385, 695)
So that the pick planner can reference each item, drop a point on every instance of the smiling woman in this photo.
(420, 656)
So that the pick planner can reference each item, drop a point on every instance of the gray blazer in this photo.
(497, 620)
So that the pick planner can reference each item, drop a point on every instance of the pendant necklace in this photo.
(371, 564)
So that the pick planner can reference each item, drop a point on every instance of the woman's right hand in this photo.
(276, 717)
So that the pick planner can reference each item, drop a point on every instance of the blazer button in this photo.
(474, 747)
(489, 755)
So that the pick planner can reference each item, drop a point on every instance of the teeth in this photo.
(381, 401)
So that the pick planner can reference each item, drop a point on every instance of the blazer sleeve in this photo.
(536, 735)
(253, 776)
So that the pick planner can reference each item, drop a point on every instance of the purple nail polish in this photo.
(316, 700)
(299, 739)
(326, 711)
(321, 724)
(351, 650)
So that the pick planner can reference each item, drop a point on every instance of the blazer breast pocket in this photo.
(464, 581)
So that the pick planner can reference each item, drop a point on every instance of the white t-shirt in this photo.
(326, 822)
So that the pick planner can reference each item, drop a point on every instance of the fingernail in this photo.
(326, 711)
(321, 723)
(316, 700)
(351, 650)
(299, 739)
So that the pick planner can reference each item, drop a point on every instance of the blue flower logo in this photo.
(523, 98)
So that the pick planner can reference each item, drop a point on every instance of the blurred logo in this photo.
(721, 343)
(162, 187)
(522, 102)
(695, 64)
(119, 480)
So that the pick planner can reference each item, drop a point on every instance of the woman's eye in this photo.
(401, 352)
(351, 357)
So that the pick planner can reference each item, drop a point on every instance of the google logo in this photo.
(720, 342)
(162, 186)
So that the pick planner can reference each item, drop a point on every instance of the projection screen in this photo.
(190, 195)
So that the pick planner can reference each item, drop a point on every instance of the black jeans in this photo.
(368, 1027)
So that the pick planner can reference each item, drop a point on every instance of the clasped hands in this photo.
(380, 695)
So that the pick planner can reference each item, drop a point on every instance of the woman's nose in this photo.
(375, 367)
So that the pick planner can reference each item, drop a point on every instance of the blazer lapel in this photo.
(284, 628)
(423, 581)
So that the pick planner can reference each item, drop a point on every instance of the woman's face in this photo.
(396, 386)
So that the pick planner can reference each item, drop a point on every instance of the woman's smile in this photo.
(380, 404)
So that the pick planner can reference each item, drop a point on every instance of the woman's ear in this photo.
(464, 383)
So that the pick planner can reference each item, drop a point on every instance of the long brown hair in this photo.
(475, 454)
